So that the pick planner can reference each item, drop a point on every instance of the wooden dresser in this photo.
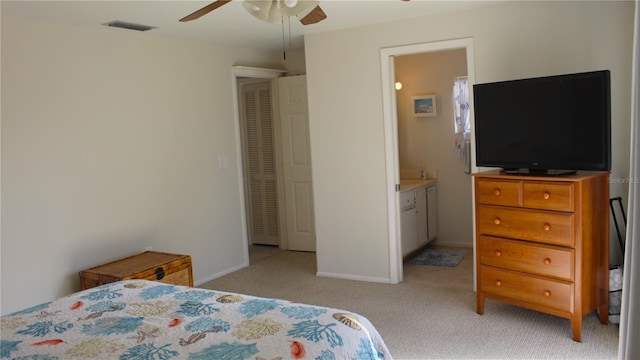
(150, 265)
(543, 243)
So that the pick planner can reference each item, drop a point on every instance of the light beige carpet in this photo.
(431, 315)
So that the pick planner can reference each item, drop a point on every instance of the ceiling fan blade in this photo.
(205, 10)
(315, 16)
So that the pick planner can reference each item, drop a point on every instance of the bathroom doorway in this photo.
(391, 99)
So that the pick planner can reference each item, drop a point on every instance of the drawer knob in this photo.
(546, 195)
(497, 192)
(497, 221)
(498, 253)
(498, 283)
(547, 293)
(546, 227)
(547, 261)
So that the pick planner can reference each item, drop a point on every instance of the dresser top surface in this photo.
(579, 176)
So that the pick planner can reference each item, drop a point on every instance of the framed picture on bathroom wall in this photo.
(424, 105)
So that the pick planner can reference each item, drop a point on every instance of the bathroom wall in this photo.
(429, 141)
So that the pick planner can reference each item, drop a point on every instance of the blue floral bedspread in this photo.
(144, 320)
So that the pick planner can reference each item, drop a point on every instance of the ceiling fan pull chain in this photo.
(289, 19)
(284, 50)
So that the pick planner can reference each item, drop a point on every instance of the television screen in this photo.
(553, 124)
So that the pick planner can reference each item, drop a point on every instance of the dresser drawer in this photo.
(549, 196)
(554, 294)
(547, 227)
(496, 192)
(542, 242)
(407, 200)
(527, 257)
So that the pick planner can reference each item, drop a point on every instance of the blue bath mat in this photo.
(439, 257)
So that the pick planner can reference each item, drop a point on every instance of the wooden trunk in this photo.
(150, 265)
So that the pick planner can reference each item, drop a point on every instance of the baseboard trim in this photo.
(353, 277)
(220, 274)
(452, 243)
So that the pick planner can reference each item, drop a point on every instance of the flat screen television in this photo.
(546, 125)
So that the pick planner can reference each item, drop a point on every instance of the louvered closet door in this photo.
(260, 164)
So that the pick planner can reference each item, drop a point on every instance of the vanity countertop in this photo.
(412, 184)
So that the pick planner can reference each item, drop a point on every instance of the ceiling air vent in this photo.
(127, 25)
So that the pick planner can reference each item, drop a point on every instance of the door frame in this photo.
(237, 73)
(390, 115)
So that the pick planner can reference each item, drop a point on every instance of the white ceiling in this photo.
(231, 24)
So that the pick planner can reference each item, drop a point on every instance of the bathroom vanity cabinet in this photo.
(418, 213)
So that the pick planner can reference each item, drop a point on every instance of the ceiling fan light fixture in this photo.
(307, 11)
(260, 9)
(290, 3)
(298, 7)
(274, 11)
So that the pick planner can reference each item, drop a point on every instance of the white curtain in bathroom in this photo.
(461, 117)
(461, 104)
(461, 113)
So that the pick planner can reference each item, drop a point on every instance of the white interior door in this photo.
(260, 168)
(296, 163)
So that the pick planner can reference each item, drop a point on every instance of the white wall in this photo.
(510, 40)
(110, 144)
(294, 62)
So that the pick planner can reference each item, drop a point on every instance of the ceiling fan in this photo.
(307, 11)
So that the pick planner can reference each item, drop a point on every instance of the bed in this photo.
(139, 319)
